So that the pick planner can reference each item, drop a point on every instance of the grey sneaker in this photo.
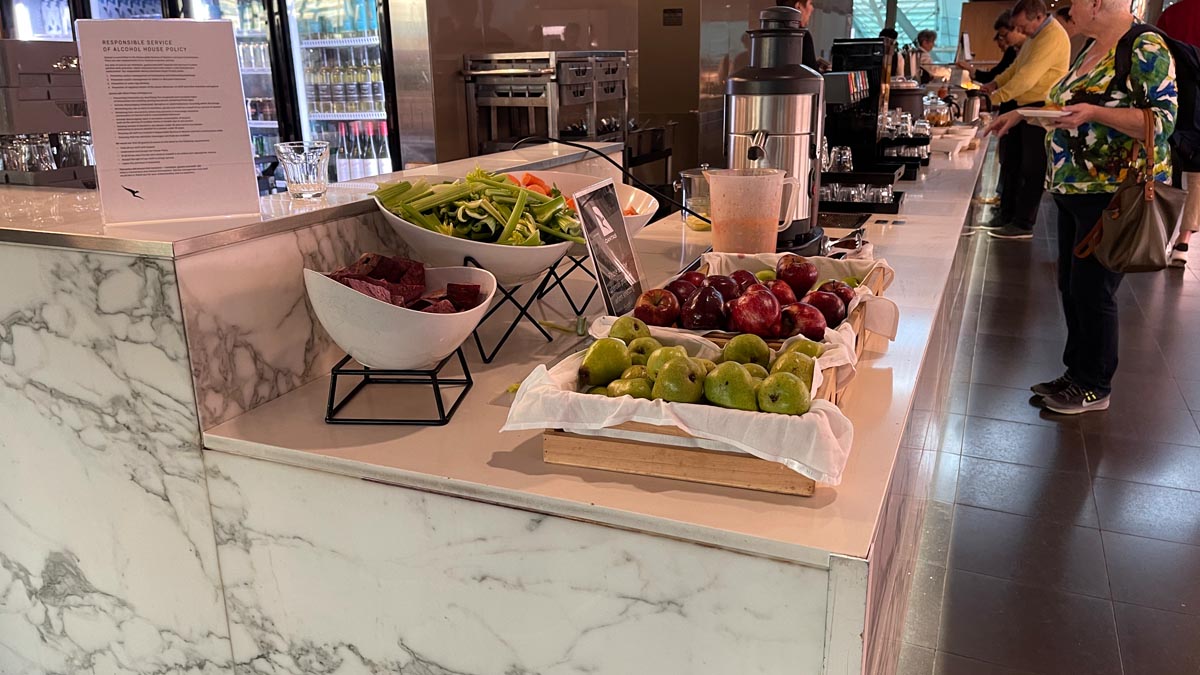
(1076, 399)
(1011, 231)
(1055, 386)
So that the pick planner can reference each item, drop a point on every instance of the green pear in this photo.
(731, 386)
(800, 365)
(756, 370)
(765, 275)
(852, 281)
(805, 346)
(757, 384)
(601, 391)
(635, 371)
(627, 329)
(637, 387)
(680, 380)
(747, 348)
(707, 365)
(641, 349)
(784, 393)
(604, 362)
(659, 357)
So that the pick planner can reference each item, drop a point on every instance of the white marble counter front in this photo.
(468, 458)
(71, 219)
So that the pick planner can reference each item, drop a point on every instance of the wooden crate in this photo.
(665, 460)
(696, 465)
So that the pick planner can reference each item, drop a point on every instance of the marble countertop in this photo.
(470, 459)
(70, 218)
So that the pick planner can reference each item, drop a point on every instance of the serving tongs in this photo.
(855, 235)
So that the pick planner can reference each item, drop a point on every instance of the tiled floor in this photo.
(1058, 545)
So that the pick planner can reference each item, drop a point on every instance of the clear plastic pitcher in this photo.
(745, 206)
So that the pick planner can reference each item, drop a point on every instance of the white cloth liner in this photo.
(816, 444)
(882, 316)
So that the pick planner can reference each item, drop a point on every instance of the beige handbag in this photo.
(1138, 226)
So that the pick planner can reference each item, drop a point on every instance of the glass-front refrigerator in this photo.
(126, 9)
(40, 19)
(253, 42)
(338, 57)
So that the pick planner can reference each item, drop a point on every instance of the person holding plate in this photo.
(1042, 61)
(1090, 144)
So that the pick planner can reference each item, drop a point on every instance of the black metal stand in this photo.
(508, 295)
(431, 378)
(576, 264)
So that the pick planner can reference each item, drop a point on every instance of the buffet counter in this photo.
(288, 545)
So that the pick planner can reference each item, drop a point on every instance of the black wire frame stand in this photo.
(508, 296)
(431, 378)
(577, 263)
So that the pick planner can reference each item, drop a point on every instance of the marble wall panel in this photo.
(252, 334)
(327, 573)
(107, 555)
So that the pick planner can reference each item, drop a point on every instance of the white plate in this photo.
(1042, 113)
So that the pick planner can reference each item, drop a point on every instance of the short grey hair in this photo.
(1116, 5)
(927, 36)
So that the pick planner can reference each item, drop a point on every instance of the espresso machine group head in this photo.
(774, 115)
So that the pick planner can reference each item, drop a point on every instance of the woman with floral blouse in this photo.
(1089, 152)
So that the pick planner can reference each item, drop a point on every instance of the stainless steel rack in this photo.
(580, 96)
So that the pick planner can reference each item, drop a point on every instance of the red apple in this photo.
(839, 288)
(830, 305)
(756, 313)
(693, 278)
(657, 307)
(797, 273)
(728, 288)
(756, 287)
(802, 319)
(744, 278)
(705, 310)
(682, 290)
(782, 292)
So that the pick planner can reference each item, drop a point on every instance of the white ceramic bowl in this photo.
(383, 336)
(570, 183)
(512, 265)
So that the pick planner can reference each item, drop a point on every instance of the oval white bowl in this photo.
(386, 337)
(569, 183)
(512, 265)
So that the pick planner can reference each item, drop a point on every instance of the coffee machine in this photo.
(860, 125)
(774, 113)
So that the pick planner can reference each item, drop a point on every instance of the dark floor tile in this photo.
(1154, 573)
(925, 600)
(1148, 510)
(1014, 405)
(945, 476)
(915, 660)
(946, 434)
(1191, 392)
(1035, 552)
(1059, 448)
(1154, 642)
(915, 430)
(1014, 348)
(1142, 461)
(1028, 491)
(952, 664)
(1017, 374)
(1142, 421)
(1135, 391)
(934, 546)
(1018, 626)
(1017, 324)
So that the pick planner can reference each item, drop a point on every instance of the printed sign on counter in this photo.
(168, 119)
(609, 246)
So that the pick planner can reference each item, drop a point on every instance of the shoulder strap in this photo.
(1123, 54)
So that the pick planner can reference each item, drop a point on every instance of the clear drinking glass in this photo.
(843, 159)
(306, 168)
